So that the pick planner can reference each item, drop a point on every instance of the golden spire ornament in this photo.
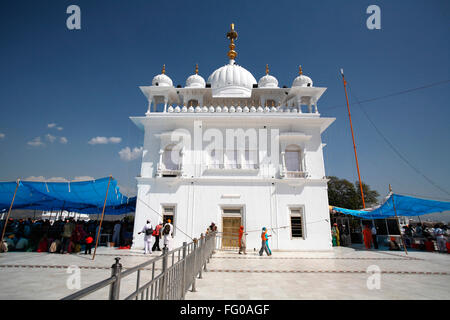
(196, 68)
(164, 69)
(267, 69)
(232, 35)
(300, 71)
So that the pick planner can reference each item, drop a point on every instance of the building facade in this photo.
(235, 151)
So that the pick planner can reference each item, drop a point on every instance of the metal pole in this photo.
(353, 138)
(9, 212)
(398, 223)
(194, 265)
(201, 247)
(162, 292)
(103, 213)
(114, 290)
(205, 253)
(183, 284)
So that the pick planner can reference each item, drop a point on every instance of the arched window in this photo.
(293, 158)
(171, 158)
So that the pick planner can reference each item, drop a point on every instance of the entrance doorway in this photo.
(231, 221)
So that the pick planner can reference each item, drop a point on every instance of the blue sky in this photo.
(86, 81)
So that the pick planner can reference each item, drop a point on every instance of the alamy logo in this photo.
(374, 20)
(374, 280)
(74, 280)
(73, 22)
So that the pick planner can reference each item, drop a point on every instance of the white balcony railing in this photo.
(232, 166)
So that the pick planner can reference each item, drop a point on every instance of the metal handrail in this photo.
(171, 284)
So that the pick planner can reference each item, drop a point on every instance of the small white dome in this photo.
(302, 80)
(268, 81)
(231, 80)
(195, 81)
(162, 80)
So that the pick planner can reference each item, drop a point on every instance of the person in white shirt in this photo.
(116, 234)
(440, 239)
(147, 230)
(374, 237)
(167, 232)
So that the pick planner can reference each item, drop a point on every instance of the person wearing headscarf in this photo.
(334, 235)
(367, 234)
(264, 242)
(242, 240)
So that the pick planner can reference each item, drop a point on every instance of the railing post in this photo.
(194, 265)
(183, 283)
(114, 290)
(205, 252)
(201, 247)
(162, 292)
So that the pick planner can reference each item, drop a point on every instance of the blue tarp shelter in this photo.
(81, 196)
(404, 206)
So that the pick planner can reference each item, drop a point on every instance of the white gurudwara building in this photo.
(235, 151)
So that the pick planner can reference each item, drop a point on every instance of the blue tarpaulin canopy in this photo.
(404, 206)
(80, 196)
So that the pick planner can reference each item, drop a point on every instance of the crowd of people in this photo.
(419, 236)
(63, 235)
(154, 235)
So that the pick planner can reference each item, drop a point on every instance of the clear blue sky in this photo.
(86, 81)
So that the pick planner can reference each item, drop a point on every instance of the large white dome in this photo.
(231, 80)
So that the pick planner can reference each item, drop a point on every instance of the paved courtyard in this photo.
(337, 274)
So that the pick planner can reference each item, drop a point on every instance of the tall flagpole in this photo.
(103, 213)
(353, 138)
(398, 223)
(9, 212)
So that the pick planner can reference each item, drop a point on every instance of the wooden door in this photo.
(230, 235)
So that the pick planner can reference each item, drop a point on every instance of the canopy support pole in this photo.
(353, 138)
(9, 212)
(103, 213)
(398, 223)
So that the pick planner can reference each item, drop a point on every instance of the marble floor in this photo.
(341, 273)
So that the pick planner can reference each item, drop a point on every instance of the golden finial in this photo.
(267, 69)
(300, 71)
(196, 68)
(164, 69)
(232, 35)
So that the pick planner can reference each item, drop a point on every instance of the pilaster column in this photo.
(160, 164)
(283, 163)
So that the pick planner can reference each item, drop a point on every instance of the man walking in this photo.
(167, 233)
(264, 242)
(242, 240)
(157, 235)
(148, 231)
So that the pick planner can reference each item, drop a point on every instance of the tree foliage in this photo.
(342, 193)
